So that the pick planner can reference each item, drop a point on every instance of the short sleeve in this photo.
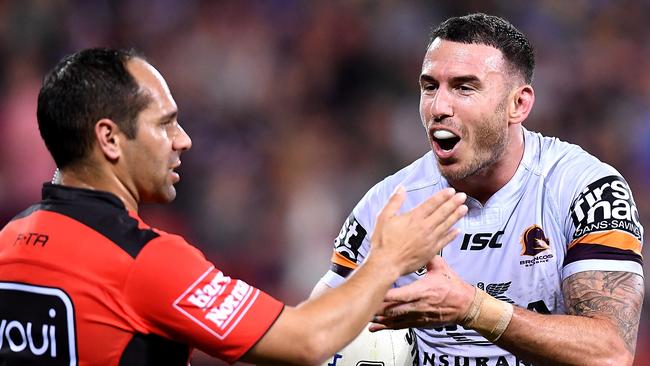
(604, 228)
(182, 296)
(352, 244)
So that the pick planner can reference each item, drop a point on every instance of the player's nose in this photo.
(441, 106)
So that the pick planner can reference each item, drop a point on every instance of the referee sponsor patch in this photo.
(41, 328)
(216, 302)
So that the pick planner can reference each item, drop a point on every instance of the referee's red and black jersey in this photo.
(83, 281)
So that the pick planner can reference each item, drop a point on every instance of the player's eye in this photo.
(466, 89)
(429, 87)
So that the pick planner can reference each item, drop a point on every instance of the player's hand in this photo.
(410, 240)
(439, 298)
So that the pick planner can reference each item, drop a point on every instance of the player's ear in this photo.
(520, 104)
(109, 138)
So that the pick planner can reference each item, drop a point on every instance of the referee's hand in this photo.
(411, 239)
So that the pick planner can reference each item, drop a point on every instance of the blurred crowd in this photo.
(296, 108)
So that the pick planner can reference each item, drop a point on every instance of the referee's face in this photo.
(152, 157)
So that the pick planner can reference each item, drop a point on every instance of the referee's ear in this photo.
(109, 138)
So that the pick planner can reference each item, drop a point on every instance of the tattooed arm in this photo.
(616, 296)
(601, 327)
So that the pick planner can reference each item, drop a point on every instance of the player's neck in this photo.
(486, 182)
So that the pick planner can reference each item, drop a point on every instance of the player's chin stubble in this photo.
(489, 143)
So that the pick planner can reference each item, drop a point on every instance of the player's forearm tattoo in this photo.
(616, 295)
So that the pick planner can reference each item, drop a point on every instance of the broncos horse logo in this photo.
(534, 241)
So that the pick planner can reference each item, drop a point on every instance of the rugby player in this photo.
(548, 267)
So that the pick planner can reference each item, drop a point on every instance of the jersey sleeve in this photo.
(352, 244)
(602, 225)
(180, 295)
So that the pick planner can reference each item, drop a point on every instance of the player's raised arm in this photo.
(401, 243)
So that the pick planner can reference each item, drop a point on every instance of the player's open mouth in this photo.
(445, 139)
(175, 176)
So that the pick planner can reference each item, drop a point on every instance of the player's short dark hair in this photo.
(79, 91)
(493, 31)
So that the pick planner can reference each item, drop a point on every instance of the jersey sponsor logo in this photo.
(422, 271)
(606, 204)
(438, 359)
(460, 335)
(539, 306)
(337, 356)
(534, 241)
(411, 339)
(216, 302)
(32, 239)
(480, 241)
(36, 325)
(350, 238)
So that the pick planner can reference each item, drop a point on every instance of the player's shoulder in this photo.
(419, 174)
(564, 162)
(570, 173)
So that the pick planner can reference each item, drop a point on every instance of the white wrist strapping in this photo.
(488, 316)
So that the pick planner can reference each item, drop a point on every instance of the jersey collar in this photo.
(59, 192)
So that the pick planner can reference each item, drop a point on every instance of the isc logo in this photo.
(480, 241)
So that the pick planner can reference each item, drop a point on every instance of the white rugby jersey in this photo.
(562, 212)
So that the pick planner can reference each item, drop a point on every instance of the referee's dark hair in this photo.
(79, 91)
(490, 30)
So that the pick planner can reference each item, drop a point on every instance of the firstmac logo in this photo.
(216, 302)
(606, 204)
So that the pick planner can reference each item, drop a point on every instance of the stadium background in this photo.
(296, 108)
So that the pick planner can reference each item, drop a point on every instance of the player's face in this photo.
(463, 98)
(155, 152)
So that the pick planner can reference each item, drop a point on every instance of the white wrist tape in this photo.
(488, 316)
